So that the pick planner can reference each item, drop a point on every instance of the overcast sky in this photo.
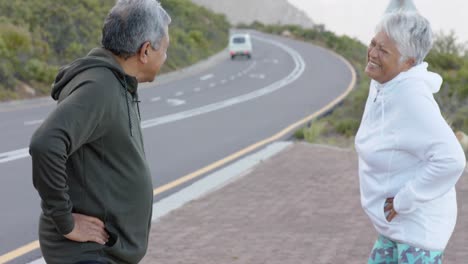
(357, 18)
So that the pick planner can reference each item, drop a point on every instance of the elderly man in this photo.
(88, 158)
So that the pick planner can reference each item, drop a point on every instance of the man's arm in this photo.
(77, 120)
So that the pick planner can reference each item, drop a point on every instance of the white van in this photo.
(240, 45)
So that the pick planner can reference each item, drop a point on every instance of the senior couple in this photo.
(89, 164)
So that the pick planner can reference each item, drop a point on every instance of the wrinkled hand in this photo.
(389, 211)
(88, 228)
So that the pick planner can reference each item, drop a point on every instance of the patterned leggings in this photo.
(386, 251)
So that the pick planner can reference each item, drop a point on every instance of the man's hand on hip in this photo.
(88, 228)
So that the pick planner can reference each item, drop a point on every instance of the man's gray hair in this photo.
(411, 33)
(130, 23)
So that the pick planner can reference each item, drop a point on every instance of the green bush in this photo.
(7, 94)
(316, 129)
(39, 71)
(15, 39)
(347, 126)
(459, 120)
(7, 72)
(311, 133)
(299, 134)
(445, 61)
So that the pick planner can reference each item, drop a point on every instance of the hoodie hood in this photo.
(98, 57)
(432, 80)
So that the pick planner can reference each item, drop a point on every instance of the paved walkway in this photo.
(300, 206)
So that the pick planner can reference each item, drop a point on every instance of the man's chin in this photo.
(147, 80)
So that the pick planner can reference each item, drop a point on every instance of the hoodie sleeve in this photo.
(78, 119)
(424, 133)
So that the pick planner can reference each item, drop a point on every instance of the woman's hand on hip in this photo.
(389, 211)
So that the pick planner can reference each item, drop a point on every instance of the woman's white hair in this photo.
(411, 33)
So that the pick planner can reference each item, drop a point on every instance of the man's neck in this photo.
(128, 65)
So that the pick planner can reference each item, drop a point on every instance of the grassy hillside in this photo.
(448, 58)
(37, 37)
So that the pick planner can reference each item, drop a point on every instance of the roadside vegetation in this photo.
(38, 37)
(338, 127)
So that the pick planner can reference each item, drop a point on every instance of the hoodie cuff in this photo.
(64, 223)
(404, 203)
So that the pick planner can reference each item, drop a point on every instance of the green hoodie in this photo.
(88, 158)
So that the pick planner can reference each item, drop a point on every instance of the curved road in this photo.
(189, 124)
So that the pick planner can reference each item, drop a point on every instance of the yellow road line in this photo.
(19, 252)
(35, 245)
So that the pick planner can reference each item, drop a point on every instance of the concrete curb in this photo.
(216, 180)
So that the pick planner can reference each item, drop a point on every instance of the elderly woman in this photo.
(409, 158)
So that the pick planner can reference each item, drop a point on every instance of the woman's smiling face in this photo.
(383, 59)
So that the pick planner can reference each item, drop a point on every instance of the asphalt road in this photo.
(189, 123)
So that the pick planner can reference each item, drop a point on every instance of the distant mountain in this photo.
(264, 11)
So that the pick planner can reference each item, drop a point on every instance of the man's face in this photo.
(383, 59)
(156, 59)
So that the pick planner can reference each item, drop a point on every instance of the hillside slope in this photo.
(37, 37)
(264, 11)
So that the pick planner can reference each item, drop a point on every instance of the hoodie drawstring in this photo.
(383, 111)
(128, 108)
(381, 104)
(137, 101)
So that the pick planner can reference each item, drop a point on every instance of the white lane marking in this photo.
(179, 94)
(257, 76)
(275, 61)
(175, 102)
(293, 76)
(33, 122)
(232, 78)
(38, 261)
(155, 99)
(212, 84)
(198, 89)
(14, 155)
(239, 74)
(206, 77)
(251, 67)
(223, 81)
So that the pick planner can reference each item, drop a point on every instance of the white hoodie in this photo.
(407, 151)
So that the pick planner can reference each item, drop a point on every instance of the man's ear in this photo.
(143, 52)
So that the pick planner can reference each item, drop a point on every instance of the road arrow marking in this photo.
(175, 102)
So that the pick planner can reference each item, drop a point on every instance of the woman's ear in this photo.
(410, 62)
(407, 64)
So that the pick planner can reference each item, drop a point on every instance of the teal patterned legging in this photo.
(386, 251)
